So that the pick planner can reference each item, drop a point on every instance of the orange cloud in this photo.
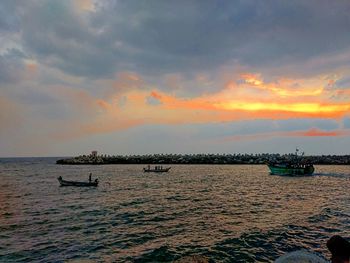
(255, 109)
(254, 79)
(156, 95)
(283, 87)
(238, 102)
(84, 5)
(309, 109)
(32, 68)
(313, 132)
(344, 93)
(74, 130)
(103, 104)
(81, 100)
(124, 82)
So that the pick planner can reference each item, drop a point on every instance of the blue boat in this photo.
(291, 169)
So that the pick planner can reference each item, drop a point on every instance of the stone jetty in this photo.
(95, 159)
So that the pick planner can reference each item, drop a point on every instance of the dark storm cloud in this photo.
(11, 66)
(57, 36)
(9, 21)
(181, 36)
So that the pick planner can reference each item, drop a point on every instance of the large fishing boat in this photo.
(295, 166)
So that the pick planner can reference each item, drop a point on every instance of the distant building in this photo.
(94, 153)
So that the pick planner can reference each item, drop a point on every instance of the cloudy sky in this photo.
(138, 77)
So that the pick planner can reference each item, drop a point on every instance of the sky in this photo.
(144, 77)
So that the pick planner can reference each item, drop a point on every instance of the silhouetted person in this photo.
(340, 249)
(90, 177)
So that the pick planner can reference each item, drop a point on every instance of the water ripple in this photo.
(227, 213)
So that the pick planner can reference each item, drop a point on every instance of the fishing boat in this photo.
(293, 167)
(156, 169)
(76, 183)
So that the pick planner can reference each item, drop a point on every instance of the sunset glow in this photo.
(174, 131)
(316, 108)
(75, 76)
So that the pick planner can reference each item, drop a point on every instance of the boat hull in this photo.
(75, 183)
(291, 171)
(156, 170)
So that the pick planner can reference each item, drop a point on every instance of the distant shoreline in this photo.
(200, 159)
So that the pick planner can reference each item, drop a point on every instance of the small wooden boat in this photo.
(156, 170)
(75, 183)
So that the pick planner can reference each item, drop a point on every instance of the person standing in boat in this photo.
(90, 177)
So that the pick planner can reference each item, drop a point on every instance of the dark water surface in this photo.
(230, 213)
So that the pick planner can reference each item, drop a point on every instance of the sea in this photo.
(227, 213)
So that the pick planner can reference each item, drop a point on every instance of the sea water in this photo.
(228, 213)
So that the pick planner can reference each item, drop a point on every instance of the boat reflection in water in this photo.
(296, 166)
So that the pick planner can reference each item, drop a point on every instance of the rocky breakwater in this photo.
(83, 159)
(202, 159)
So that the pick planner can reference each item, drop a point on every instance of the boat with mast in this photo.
(294, 166)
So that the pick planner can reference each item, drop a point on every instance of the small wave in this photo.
(136, 202)
(241, 216)
(340, 175)
(161, 254)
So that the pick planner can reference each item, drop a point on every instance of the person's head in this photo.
(340, 249)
